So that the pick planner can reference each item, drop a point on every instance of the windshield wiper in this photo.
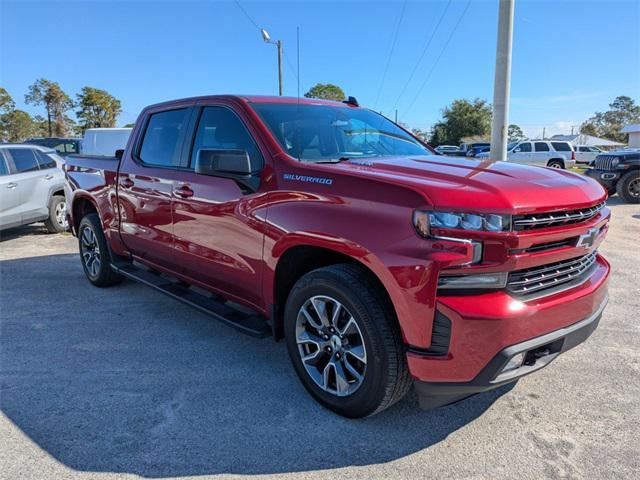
(335, 160)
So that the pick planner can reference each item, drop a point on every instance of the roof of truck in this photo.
(258, 99)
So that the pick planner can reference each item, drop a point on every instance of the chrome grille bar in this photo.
(541, 220)
(538, 279)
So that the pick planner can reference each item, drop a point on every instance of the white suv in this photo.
(543, 153)
(31, 187)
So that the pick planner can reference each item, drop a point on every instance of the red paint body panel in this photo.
(230, 242)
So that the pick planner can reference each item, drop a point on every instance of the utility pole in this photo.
(267, 39)
(502, 81)
(396, 115)
(544, 133)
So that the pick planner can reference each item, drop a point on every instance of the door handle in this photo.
(12, 185)
(127, 183)
(184, 191)
(48, 177)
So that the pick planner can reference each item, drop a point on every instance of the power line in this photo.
(422, 54)
(247, 15)
(435, 64)
(393, 46)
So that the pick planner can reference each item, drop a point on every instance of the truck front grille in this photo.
(546, 279)
(605, 162)
(548, 219)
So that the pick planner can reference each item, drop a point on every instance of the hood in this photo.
(482, 185)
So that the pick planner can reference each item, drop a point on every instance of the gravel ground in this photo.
(125, 382)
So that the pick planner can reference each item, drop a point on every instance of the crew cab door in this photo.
(145, 186)
(218, 228)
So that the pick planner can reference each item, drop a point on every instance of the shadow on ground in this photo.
(127, 380)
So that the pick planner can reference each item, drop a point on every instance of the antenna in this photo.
(298, 59)
(298, 105)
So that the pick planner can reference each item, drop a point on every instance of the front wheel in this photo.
(94, 252)
(628, 187)
(344, 341)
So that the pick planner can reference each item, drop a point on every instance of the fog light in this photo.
(514, 362)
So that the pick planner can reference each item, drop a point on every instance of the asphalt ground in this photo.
(125, 382)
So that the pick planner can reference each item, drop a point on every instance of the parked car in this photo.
(31, 187)
(379, 263)
(64, 146)
(447, 149)
(473, 151)
(469, 149)
(542, 153)
(586, 154)
(104, 141)
(618, 172)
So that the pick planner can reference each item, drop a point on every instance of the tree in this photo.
(6, 102)
(56, 102)
(463, 118)
(98, 108)
(16, 126)
(327, 91)
(129, 125)
(421, 134)
(515, 133)
(622, 111)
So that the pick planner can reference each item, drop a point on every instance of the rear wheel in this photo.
(57, 221)
(628, 187)
(94, 252)
(555, 164)
(344, 341)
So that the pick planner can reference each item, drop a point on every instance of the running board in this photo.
(251, 324)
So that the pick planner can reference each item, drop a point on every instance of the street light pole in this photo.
(502, 82)
(278, 44)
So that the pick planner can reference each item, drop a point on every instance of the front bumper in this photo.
(539, 352)
(606, 178)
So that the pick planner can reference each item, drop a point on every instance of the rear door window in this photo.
(541, 147)
(3, 166)
(162, 139)
(561, 146)
(24, 159)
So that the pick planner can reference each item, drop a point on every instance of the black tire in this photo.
(628, 187)
(90, 233)
(556, 164)
(55, 224)
(386, 379)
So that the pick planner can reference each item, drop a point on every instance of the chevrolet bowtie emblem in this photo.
(588, 239)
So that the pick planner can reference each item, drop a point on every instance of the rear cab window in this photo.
(162, 140)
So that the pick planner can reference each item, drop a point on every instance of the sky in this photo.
(570, 58)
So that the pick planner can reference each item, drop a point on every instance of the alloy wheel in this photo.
(90, 251)
(634, 188)
(61, 215)
(331, 345)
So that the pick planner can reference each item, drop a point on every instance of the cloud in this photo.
(561, 127)
(552, 100)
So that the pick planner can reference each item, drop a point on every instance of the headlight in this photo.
(614, 163)
(424, 220)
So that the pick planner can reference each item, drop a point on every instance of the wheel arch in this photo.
(81, 206)
(296, 260)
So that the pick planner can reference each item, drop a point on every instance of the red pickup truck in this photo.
(324, 223)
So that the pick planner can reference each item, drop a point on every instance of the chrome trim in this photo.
(548, 219)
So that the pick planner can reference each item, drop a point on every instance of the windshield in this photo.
(512, 145)
(325, 133)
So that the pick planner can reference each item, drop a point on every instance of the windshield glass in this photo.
(324, 133)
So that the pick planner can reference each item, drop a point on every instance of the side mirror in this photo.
(232, 164)
(517, 150)
(119, 153)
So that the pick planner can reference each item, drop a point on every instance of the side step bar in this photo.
(251, 324)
